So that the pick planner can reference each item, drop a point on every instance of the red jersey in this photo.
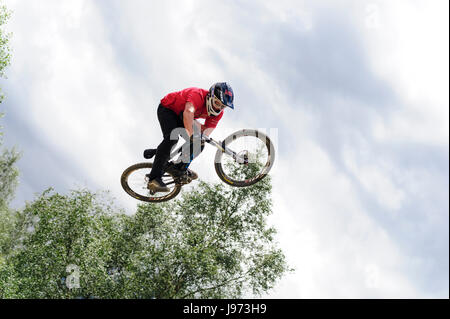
(176, 101)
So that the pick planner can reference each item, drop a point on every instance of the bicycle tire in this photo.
(124, 182)
(266, 168)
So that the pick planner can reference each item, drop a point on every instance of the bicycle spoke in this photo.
(138, 182)
(256, 152)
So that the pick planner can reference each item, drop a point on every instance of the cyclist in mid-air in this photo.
(179, 109)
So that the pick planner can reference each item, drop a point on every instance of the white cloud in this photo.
(409, 49)
(79, 103)
(375, 176)
(338, 250)
(94, 75)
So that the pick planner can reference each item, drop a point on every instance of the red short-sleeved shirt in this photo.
(176, 101)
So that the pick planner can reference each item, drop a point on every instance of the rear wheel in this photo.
(135, 183)
(253, 146)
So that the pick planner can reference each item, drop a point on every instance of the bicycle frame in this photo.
(218, 144)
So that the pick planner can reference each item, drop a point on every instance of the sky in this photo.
(353, 93)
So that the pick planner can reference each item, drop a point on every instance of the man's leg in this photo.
(193, 149)
(168, 121)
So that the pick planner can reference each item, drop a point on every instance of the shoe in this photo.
(192, 175)
(157, 185)
(175, 170)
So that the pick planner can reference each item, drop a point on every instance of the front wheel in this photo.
(135, 183)
(252, 159)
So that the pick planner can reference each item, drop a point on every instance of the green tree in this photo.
(56, 232)
(5, 54)
(8, 183)
(213, 242)
(8, 217)
(8, 172)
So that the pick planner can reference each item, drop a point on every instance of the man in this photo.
(179, 109)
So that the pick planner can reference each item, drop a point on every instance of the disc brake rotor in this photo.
(243, 154)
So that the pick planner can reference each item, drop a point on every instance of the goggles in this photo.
(217, 104)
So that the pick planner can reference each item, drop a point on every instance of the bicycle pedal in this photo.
(183, 180)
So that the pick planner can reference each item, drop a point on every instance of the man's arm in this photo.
(188, 118)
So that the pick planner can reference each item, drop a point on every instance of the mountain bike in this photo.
(242, 159)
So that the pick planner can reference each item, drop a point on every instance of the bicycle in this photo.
(239, 168)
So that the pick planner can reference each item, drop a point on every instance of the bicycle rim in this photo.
(257, 147)
(135, 183)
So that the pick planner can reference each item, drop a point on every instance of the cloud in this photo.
(357, 91)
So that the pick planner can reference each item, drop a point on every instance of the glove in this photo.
(195, 139)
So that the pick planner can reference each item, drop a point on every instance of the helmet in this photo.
(219, 97)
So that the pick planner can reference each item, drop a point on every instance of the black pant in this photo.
(169, 121)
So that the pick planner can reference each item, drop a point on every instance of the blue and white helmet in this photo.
(219, 97)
